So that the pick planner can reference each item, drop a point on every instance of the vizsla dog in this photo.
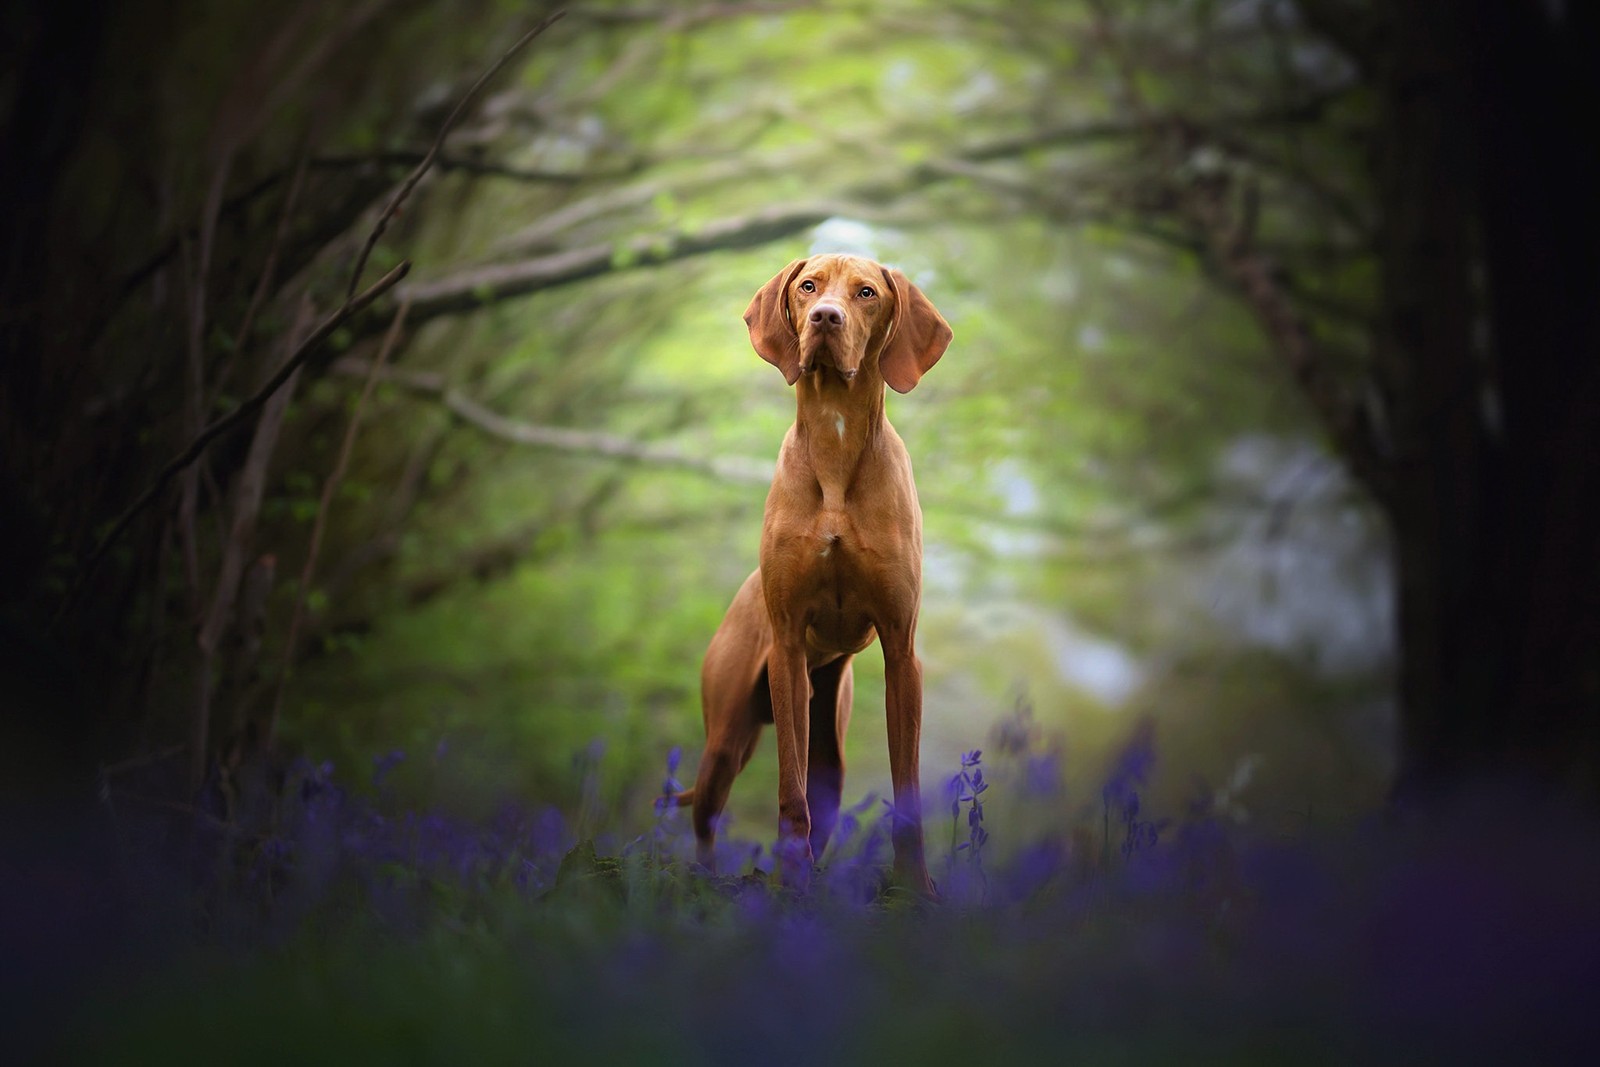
(841, 561)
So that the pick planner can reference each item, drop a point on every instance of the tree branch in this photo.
(472, 288)
(269, 269)
(539, 234)
(227, 422)
(1203, 199)
(252, 483)
(352, 305)
(395, 157)
(689, 16)
(739, 469)
(329, 487)
(1255, 277)
(404, 191)
(1358, 29)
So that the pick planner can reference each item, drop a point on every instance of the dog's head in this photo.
(846, 313)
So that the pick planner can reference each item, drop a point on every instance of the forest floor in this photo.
(320, 924)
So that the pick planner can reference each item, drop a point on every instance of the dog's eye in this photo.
(808, 286)
(867, 292)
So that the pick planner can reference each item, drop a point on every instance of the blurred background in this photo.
(352, 605)
(531, 504)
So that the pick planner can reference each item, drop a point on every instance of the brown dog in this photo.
(841, 561)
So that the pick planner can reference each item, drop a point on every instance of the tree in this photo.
(1357, 180)
(1469, 413)
(1487, 370)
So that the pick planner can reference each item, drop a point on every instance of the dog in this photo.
(840, 563)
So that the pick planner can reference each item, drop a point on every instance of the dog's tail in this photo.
(675, 800)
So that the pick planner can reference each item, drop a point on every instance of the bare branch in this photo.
(468, 164)
(252, 483)
(1204, 200)
(404, 191)
(558, 438)
(269, 270)
(402, 496)
(329, 487)
(388, 158)
(1359, 30)
(227, 422)
(688, 16)
(472, 288)
(353, 304)
(1255, 277)
(737, 167)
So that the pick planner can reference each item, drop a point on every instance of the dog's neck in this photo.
(836, 424)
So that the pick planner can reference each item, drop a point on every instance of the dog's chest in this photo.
(833, 572)
(841, 542)
(839, 560)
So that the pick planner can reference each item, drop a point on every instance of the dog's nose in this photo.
(827, 315)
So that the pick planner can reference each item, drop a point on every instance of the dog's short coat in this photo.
(840, 564)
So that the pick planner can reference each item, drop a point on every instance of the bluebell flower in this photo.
(382, 765)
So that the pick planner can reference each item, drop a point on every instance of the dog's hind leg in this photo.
(727, 751)
(832, 690)
(735, 701)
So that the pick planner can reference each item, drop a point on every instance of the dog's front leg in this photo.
(791, 720)
(903, 685)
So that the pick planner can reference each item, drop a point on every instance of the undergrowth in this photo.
(331, 926)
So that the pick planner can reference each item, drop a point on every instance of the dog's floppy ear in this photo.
(917, 337)
(771, 333)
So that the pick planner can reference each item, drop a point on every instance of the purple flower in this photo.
(382, 765)
(1132, 766)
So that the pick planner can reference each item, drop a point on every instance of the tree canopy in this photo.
(1168, 466)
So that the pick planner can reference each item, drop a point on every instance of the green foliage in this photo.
(1078, 449)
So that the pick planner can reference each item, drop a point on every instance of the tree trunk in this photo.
(1490, 367)
(1536, 90)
